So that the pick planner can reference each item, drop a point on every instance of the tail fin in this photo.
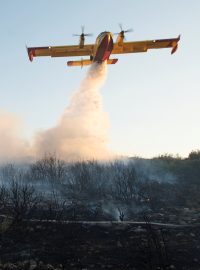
(175, 45)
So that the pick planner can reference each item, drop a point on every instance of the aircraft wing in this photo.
(143, 46)
(60, 51)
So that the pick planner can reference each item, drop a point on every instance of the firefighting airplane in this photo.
(103, 48)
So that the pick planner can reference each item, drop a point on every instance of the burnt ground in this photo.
(99, 245)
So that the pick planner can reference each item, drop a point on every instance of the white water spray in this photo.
(81, 132)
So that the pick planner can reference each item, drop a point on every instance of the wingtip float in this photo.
(101, 50)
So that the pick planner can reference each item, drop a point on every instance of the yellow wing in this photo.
(60, 51)
(143, 46)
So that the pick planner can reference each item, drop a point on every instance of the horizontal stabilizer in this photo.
(87, 62)
(81, 63)
(112, 61)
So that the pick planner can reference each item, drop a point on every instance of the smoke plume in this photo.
(81, 132)
(13, 146)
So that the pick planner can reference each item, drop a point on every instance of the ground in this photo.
(99, 245)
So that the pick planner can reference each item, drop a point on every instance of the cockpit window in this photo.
(101, 36)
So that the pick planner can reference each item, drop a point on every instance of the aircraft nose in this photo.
(108, 38)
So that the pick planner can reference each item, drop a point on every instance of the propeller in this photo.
(82, 35)
(122, 32)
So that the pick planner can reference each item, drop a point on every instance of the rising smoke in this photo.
(12, 144)
(81, 132)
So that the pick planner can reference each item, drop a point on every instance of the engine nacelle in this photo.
(82, 41)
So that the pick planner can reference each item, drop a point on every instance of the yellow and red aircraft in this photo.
(103, 48)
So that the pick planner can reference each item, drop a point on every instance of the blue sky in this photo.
(152, 99)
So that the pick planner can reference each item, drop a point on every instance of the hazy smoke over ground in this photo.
(12, 145)
(81, 132)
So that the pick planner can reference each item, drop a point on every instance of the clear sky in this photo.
(152, 99)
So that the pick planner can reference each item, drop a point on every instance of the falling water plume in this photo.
(81, 132)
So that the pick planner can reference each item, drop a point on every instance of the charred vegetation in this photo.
(84, 215)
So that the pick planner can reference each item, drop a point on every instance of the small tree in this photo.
(48, 168)
(8, 172)
(22, 200)
(3, 199)
(195, 154)
(125, 183)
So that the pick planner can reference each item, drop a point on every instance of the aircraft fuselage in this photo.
(103, 47)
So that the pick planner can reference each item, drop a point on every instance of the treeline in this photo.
(89, 190)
